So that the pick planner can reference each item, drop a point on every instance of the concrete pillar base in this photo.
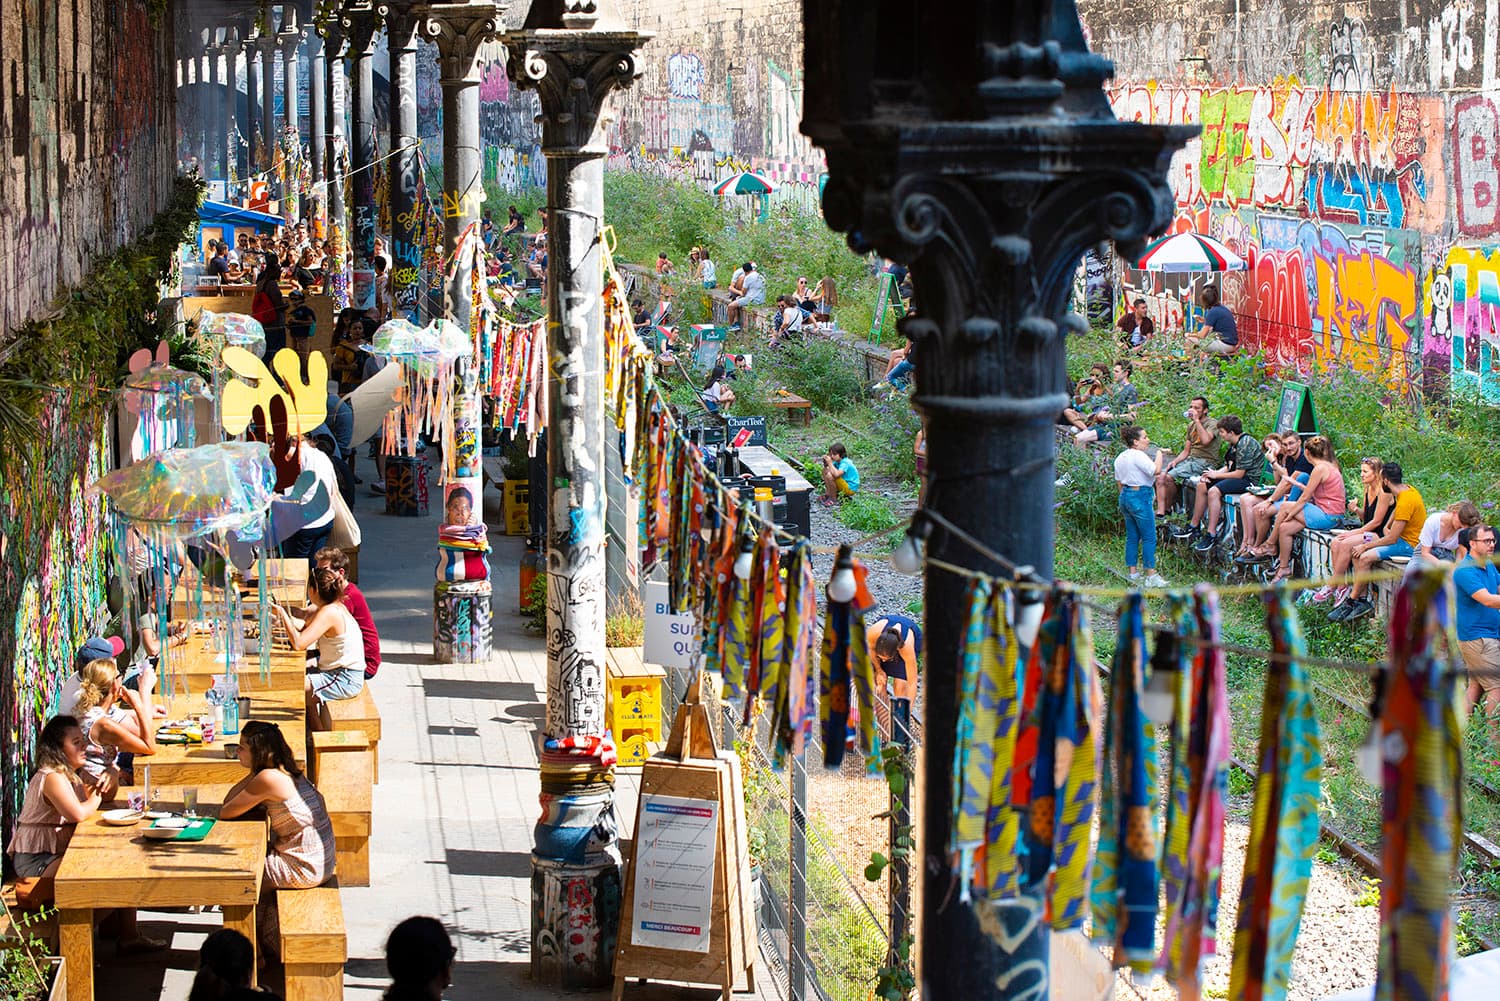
(462, 622)
(575, 915)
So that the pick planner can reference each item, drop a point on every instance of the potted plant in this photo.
(27, 973)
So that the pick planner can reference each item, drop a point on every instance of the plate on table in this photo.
(157, 814)
(171, 823)
(121, 818)
(161, 833)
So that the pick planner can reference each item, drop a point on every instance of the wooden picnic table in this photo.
(797, 409)
(197, 665)
(174, 764)
(107, 867)
(287, 584)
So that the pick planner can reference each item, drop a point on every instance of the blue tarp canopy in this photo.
(232, 215)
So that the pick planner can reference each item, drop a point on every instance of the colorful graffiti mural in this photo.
(1461, 323)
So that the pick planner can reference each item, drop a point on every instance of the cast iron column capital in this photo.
(361, 24)
(459, 29)
(402, 24)
(574, 72)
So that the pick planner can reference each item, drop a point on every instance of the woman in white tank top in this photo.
(341, 646)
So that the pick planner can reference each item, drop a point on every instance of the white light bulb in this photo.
(744, 563)
(1159, 699)
(1028, 621)
(907, 558)
(841, 585)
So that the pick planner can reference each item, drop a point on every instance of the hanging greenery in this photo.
(82, 344)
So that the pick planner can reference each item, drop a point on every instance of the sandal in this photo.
(139, 945)
(1281, 575)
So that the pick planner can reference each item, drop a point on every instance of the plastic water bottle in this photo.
(231, 714)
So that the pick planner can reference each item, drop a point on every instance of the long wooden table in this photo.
(107, 867)
(174, 764)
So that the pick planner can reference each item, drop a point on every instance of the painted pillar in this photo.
(575, 60)
(316, 126)
(406, 253)
(335, 161)
(461, 611)
(991, 192)
(213, 109)
(203, 102)
(254, 154)
(289, 42)
(268, 107)
(231, 98)
(360, 26)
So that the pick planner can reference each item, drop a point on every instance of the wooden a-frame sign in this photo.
(1296, 411)
(692, 767)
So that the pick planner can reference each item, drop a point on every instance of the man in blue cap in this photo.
(92, 649)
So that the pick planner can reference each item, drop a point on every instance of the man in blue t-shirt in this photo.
(1477, 583)
(1218, 335)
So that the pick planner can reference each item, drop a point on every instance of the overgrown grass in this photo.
(868, 512)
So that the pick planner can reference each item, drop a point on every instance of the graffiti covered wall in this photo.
(1351, 153)
(720, 92)
(87, 114)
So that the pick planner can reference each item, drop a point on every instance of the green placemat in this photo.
(196, 831)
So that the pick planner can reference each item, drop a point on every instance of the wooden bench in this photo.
(344, 779)
(359, 713)
(17, 896)
(314, 946)
(325, 742)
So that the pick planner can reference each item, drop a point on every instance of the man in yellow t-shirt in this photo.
(1403, 531)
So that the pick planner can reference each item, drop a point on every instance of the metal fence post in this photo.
(797, 918)
(899, 873)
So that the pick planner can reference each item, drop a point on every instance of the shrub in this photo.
(1087, 498)
(821, 371)
(867, 512)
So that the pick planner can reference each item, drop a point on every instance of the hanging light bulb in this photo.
(842, 585)
(1159, 700)
(745, 561)
(911, 555)
(1028, 619)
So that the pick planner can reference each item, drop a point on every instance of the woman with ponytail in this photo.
(341, 647)
(113, 719)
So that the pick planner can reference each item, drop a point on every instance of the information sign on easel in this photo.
(687, 914)
(1296, 411)
(888, 296)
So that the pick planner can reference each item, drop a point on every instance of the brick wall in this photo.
(87, 96)
(1351, 152)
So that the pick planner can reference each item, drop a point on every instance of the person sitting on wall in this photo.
(752, 293)
(1218, 335)
(1200, 451)
(716, 395)
(1403, 532)
(1118, 410)
(1135, 327)
(1290, 469)
(1241, 470)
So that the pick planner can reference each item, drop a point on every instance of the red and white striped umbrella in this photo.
(745, 183)
(1189, 252)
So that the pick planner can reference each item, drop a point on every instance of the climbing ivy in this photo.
(83, 342)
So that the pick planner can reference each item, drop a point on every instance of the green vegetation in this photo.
(868, 513)
(82, 344)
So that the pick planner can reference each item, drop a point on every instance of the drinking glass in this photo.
(137, 801)
(190, 801)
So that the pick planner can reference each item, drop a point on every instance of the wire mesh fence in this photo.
(825, 929)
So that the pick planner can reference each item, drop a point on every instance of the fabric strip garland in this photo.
(1125, 876)
(1422, 796)
(1284, 820)
(846, 678)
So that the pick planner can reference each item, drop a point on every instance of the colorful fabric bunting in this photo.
(1125, 875)
(1284, 821)
(847, 677)
(1194, 852)
(1422, 796)
(791, 690)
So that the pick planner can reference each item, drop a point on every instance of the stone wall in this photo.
(721, 92)
(1351, 152)
(86, 140)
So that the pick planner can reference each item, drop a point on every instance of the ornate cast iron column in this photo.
(230, 137)
(317, 134)
(254, 154)
(203, 101)
(576, 54)
(462, 628)
(406, 253)
(267, 46)
(334, 163)
(213, 111)
(976, 144)
(360, 26)
(288, 130)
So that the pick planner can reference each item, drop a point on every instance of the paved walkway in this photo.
(457, 798)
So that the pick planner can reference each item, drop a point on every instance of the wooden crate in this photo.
(633, 704)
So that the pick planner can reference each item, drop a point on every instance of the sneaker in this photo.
(1359, 609)
(1322, 594)
(378, 487)
(1154, 579)
(1135, 575)
(1340, 610)
(1342, 594)
(1204, 545)
(1184, 531)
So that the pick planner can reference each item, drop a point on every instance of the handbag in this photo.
(345, 533)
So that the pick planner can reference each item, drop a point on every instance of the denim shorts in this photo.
(1398, 548)
(334, 686)
(1317, 519)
